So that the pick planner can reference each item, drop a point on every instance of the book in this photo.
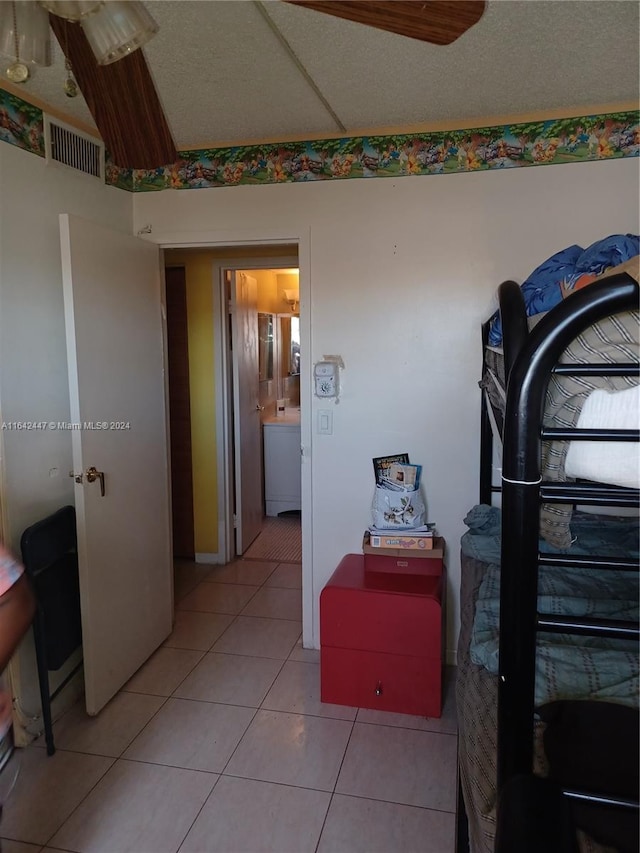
(406, 531)
(381, 466)
(425, 531)
(403, 542)
(404, 477)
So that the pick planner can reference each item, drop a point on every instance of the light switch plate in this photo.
(325, 422)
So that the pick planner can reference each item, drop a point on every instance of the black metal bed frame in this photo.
(530, 360)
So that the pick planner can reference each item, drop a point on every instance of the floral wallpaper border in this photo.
(569, 140)
(21, 123)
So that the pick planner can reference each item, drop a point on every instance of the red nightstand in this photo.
(381, 640)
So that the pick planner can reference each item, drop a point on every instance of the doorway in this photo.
(211, 402)
(258, 376)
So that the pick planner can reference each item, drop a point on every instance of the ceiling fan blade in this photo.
(435, 21)
(122, 99)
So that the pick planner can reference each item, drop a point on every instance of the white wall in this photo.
(33, 359)
(401, 274)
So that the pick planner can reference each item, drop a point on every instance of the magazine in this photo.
(381, 465)
(404, 477)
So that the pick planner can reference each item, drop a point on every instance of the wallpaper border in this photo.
(606, 136)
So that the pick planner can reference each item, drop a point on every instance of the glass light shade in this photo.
(32, 25)
(72, 10)
(117, 29)
(292, 297)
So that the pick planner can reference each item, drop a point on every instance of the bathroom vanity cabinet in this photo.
(282, 477)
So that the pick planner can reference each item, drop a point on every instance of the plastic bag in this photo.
(397, 510)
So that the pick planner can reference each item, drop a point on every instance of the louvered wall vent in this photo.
(68, 146)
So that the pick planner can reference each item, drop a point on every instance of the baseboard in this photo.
(28, 729)
(216, 559)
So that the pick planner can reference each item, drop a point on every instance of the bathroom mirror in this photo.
(265, 346)
(289, 358)
(290, 344)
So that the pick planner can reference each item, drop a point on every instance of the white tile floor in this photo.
(220, 744)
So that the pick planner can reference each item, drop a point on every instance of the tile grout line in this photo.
(335, 784)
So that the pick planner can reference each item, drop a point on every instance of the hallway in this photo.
(280, 540)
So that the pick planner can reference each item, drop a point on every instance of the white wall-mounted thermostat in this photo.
(325, 374)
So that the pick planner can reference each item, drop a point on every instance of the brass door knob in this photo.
(92, 475)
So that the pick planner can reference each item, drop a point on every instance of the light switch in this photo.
(325, 422)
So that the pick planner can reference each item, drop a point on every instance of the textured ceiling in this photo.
(224, 72)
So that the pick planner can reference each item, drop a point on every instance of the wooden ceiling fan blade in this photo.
(122, 99)
(436, 21)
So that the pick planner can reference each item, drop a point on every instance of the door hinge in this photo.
(235, 521)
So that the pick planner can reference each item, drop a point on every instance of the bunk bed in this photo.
(547, 685)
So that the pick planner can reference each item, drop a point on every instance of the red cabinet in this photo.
(381, 639)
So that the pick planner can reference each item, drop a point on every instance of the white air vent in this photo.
(70, 147)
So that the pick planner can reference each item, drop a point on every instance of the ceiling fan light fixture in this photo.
(24, 34)
(72, 10)
(117, 29)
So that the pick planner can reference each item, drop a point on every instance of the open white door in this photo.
(116, 382)
(247, 431)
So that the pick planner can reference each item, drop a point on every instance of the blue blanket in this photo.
(608, 536)
(567, 667)
(544, 287)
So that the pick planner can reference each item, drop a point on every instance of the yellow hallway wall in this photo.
(200, 319)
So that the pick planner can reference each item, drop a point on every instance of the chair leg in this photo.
(43, 680)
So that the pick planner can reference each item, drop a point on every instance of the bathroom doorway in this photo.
(265, 408)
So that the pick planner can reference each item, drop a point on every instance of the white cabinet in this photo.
(282, 478)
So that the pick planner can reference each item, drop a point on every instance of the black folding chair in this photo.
(51, 562)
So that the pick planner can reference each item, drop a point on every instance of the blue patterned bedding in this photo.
(607, 536)
(563, 272)
(567, 667)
